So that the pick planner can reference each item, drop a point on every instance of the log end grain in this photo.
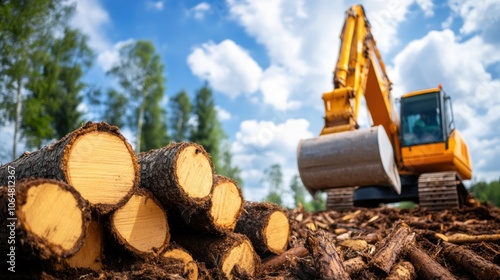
(194, 171)
(227, 203)
(90, 256)
(141, 224)
(242, 255)
(277, 232)
(98, 157)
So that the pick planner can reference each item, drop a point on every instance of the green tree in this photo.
(207, 131)
(227, 168)
(26, 32)
(487, 192)
(298, 191)
(274, 178)
(140, 75)
(318, 203)
(51, 107)
(180, 113)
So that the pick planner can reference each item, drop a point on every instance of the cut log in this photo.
(402, 271)
(179, 175)
(266, 225)
(276, 262)
(326, 259)
(176, 252)
(426, 267)
(459, 238)
(390, 248)
(43, 218)
(95, 159)
(354, 266)
(473, 263)
(91, 255)
(217, 215)
(141, 225)
(222, 252)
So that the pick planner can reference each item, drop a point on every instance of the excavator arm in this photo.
(343, 155)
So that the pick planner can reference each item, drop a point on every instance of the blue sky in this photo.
(270, 61)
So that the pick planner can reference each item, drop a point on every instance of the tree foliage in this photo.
(207, 131)
(317, 203)
(487, 192)
(180, 114)
(140, 75)
(273, 176)
(27, 29)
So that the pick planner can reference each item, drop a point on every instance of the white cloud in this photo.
(158, 5)
(228, 67)
(222, 115)
(93, 20)
(461, 67)
(276, 86)
(479, 16)
(259, 144)
(427, 6)
(199, 11)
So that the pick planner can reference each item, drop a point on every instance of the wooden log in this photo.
(179, 175)
(402, 271)
(354, 266)
(222, 252)
(176, 252)
(326, 259)
(95, 159)
(459, 238)
(42, 219)
(277, 262)
(391, 246)
(266, 225)
(426, 267)
(91, 255)
(141, 225)
(217, 215)
(477, 266)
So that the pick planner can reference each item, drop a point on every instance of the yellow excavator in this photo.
(416, 156)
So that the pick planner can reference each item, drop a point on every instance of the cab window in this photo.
(421, 119)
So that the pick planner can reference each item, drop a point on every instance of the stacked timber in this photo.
(88, 204)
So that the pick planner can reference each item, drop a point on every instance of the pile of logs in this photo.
(88, 205)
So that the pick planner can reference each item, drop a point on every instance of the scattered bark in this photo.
(354, 266)
(459, 238)
(392, 246)
(327, 260)
(402, 271)
(277, 262)
(473, 263)
(426, 267)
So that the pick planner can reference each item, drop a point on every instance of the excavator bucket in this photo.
(353, 158)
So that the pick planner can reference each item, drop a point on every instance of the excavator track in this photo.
(340, 198)
(441, 190)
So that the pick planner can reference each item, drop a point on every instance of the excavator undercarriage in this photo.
(434, 191)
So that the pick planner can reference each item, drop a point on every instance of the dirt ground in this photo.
(356, 235)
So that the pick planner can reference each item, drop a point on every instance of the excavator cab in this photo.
(426, 118)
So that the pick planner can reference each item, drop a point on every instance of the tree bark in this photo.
(217, 215)
(326, 259)
(477, 266)
(459, 238)
(392, 246)
(276, 262)
(44, 219)
(140, 225)
(426, 267)
(95, 159)
(402, 271)
(354, 266)
(266, 225)
(222, 252)
(179, 175)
